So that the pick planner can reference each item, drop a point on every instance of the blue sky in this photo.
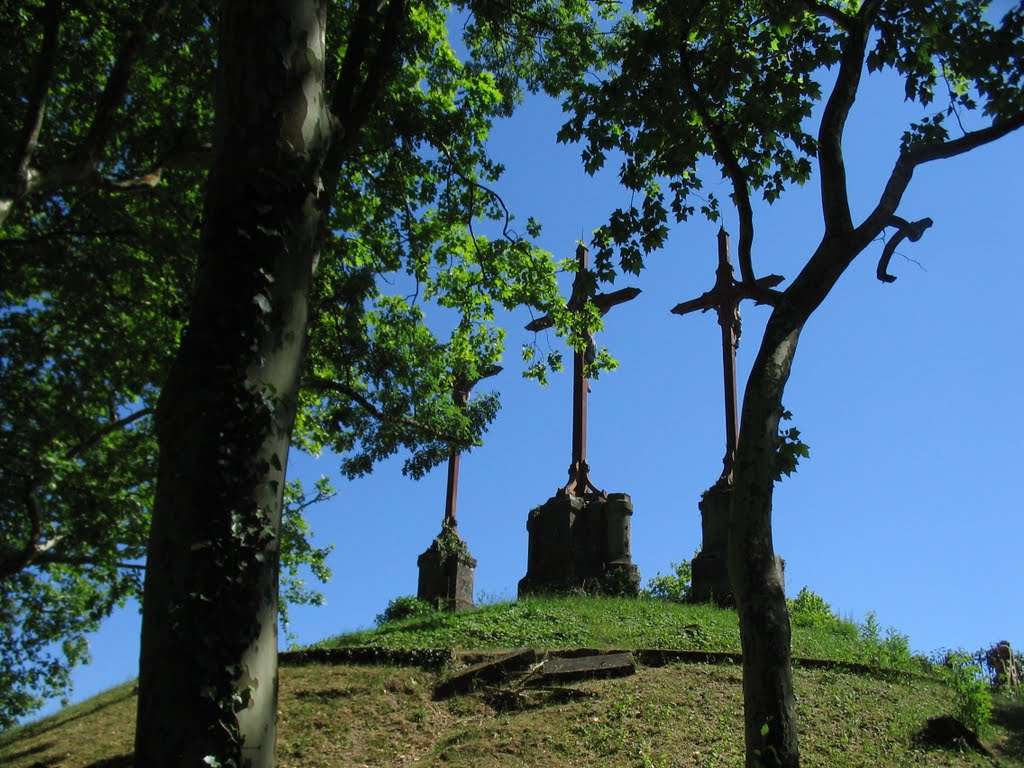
(910, 503)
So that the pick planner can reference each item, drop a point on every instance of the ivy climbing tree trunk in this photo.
(208, 671)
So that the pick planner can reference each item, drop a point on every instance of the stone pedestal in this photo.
(581, 544)
(710, 568)
(446, 573)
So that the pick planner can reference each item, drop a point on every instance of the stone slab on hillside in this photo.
(490, 671)
(559, 669)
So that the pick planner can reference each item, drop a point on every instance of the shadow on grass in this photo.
(41, 747)
(120, 761)
(328, 695)
(86, 709)
(1009, 715)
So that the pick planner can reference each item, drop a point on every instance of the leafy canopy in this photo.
(681, 90)
(102, 164)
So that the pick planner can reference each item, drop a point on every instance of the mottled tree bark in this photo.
(208, 670)
(768, 701)
(765, 633)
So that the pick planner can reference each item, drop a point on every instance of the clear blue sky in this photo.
(910, 505)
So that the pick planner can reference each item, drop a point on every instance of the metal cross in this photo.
(460, 396)
(579, 471)
(725, 299)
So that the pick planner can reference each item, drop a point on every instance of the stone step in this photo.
(560, 669)
(487, 672)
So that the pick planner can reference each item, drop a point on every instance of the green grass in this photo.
(628, 623)
(678, 715)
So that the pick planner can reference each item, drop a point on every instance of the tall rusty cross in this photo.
(460, 396)
(725, 299)
(579, 471)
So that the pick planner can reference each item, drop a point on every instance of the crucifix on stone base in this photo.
(447, 568)
(710, 576)
(725, 297)
(579, 471)
(580, 537)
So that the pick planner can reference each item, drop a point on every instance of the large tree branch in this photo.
(967, 142)
(382, 66)
(116, 88)
(741, 193)
(35, 550)
(39, 90)
(347, 84)
(16, 560)
(355, 96)
(835, 202)
(838, 17)
(83, 167)
(909, 160)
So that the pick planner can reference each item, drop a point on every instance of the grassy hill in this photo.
(862, 700)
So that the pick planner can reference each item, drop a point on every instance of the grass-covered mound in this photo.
(676, 715)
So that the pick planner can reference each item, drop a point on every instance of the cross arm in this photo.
(540, 324)
(704, 302)
(737, 292)
(462, 387)
(603, 302)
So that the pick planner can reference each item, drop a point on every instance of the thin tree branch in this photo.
(904, 230)
(107, 429)
(307, 502)
(34, 550)
(317, 384)
(58, 559)
(731, 165)
(68, 234)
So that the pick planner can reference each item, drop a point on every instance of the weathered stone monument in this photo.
(1006, 665)
(446, 568)
(710, 572)
(580, 537)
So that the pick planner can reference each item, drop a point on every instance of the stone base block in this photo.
(446, 574)
(581, 544)
(710, 569)
(710, 584)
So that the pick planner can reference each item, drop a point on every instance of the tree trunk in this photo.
(768, 702)
(208, 668)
